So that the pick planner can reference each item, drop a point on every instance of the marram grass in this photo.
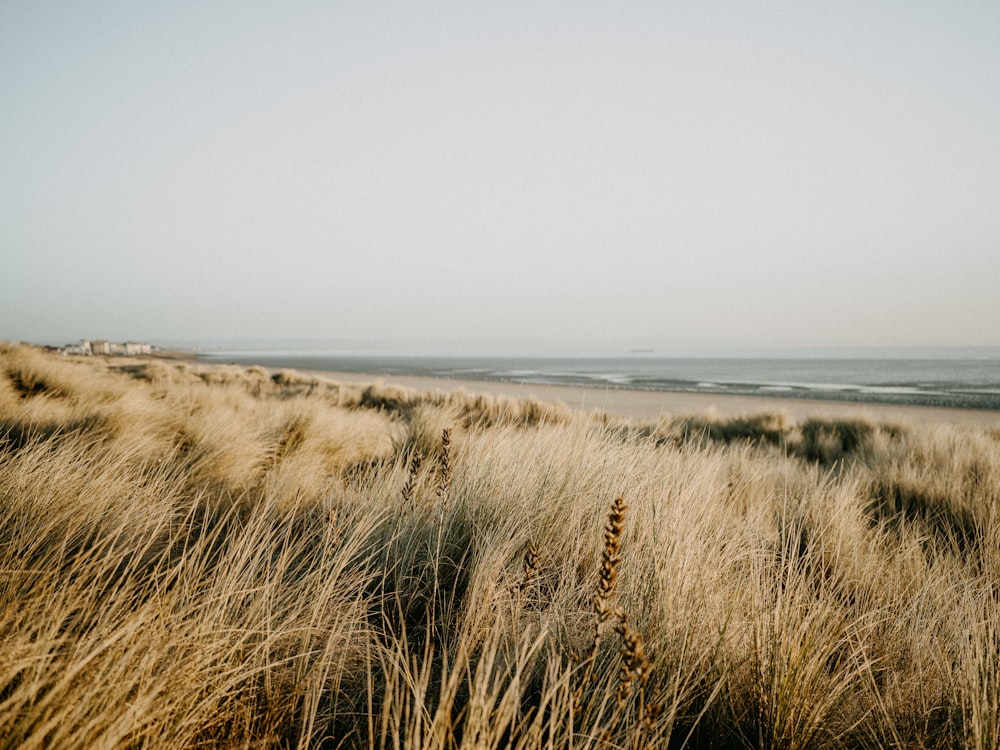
(219, 558)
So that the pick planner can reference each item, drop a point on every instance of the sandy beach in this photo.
(654, 405)
(646, 405)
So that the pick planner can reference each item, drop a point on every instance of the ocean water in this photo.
(948, 378)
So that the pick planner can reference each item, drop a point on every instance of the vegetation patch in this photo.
(221, 557)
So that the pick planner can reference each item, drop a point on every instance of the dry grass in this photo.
(215, 557)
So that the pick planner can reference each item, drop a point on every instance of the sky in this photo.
(610, 174)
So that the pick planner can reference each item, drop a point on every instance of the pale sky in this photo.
(756, 174)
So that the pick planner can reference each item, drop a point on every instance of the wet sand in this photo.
(655, 405)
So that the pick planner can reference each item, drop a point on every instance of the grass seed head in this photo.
(635, 664)
(411, 480)
(444, 464)
(610, 558)
(531, 560)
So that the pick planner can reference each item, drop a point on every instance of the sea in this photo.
(966, 378)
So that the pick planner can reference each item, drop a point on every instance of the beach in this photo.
(645, 405)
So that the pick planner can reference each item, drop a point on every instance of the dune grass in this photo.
(217, 557)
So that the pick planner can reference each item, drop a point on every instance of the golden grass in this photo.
(218, 557)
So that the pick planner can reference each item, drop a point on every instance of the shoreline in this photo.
(654, 405)
(647, 405)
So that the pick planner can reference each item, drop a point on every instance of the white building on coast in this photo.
(86, 347)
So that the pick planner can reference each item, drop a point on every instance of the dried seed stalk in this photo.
(635, 665)
(531, 558)
(444, 464)
(610, 559)
(411, 480)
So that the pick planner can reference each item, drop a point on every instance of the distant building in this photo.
(133, 349)
(83, 348)
(128, 349)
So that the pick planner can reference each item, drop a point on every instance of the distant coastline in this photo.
(947, 383)
(648, 386)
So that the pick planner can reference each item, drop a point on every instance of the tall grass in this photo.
(218, 557)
